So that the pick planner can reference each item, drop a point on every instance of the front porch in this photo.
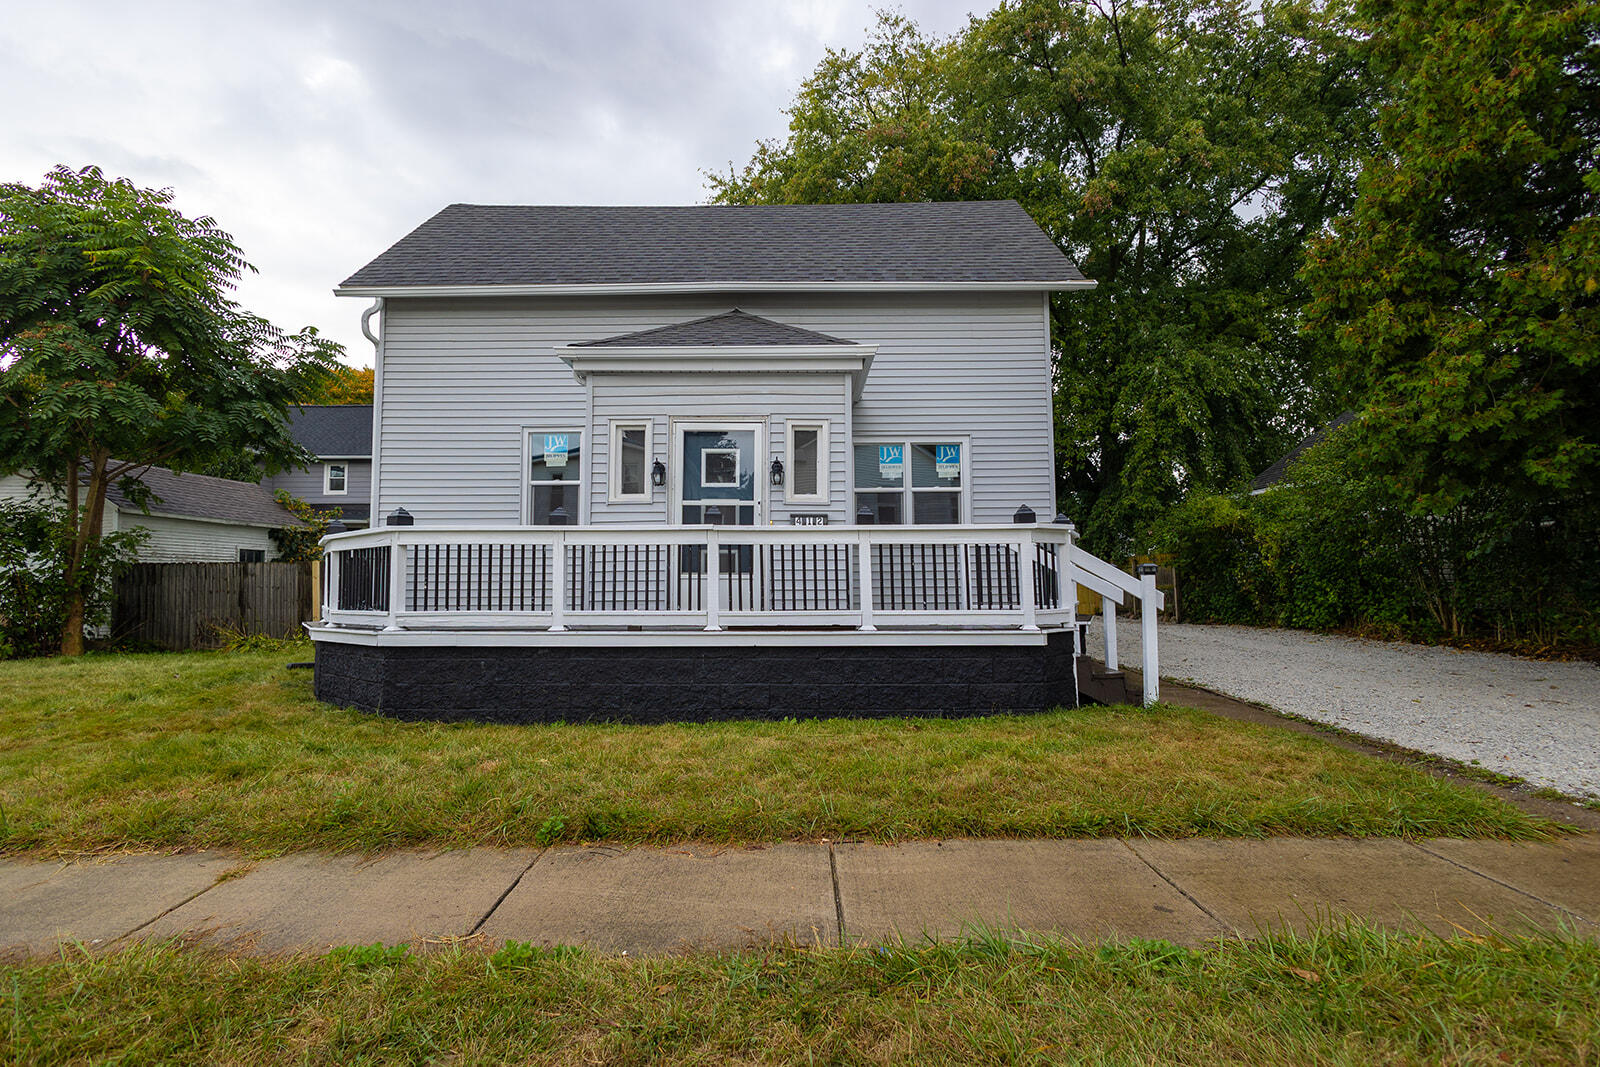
(527, 624)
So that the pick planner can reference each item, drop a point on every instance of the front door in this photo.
(719, 476)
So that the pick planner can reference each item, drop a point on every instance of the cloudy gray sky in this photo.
(318, 133)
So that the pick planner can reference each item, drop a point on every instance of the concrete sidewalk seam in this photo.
(838, 901)
(1184, 893)
(501, 899)
(157, 918)
(1506, 885)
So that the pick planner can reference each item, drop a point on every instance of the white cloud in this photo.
(319, 134)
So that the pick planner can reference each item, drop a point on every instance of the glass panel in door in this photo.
(720, 479)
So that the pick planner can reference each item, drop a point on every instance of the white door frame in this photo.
(677, 425)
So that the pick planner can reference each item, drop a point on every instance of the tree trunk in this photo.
(86, 535)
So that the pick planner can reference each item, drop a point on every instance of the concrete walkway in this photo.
(641, 900)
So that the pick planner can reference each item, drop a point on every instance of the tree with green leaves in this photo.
(1180, 152)
(121, 348)
(1463, 288)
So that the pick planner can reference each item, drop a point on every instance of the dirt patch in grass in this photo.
(209, 750)
(1351, 995)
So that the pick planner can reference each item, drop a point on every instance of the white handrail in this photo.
(976, 575)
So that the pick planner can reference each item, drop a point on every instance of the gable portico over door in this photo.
(722, 370)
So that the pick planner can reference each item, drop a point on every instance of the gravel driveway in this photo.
(1536, 720)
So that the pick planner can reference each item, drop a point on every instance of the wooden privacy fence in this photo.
(187, 605)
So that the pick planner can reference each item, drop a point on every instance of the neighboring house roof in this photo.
(342, 431)
(1275, 473)
(924, 244)
(198, 496)
(729, 328)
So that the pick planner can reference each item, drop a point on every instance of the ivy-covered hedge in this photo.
(1331, 548)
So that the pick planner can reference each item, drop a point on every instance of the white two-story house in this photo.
(657, 462)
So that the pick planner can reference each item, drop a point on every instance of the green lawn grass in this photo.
(230, 750)
(1345, 996)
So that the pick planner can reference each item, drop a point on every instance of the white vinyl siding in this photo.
(173, 540)
(463, 377)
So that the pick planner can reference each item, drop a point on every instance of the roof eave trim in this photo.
(852, 359)
(632, 288)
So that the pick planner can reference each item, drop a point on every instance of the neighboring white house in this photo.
(340, 437)
(809, 426)
(191, 518)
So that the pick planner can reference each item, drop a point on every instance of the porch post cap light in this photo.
(864, 515)
(658, 474)
(558, 517)
(777, 472)
(1147, 568)
(400, 517)
(1024, 514)
(1061, 519)
(335, 527)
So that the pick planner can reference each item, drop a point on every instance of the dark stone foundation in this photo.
(571, 683)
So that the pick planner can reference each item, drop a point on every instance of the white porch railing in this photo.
(716, 577)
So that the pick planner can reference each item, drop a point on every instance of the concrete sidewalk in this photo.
(674, 899)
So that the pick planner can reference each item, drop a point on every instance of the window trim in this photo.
(738, 468)
(327, 479)
(824, 464)
(614, 493)
(908, 505)
(239, 558)
(526, 475)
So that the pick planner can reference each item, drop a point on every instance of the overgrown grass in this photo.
(1348, 996)
(230, 750)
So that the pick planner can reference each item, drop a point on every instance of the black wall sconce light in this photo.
(777, 473)
(658, 474)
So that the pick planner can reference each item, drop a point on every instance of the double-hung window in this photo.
(923, 482)
(806, 465)
(555, 477)
(628, 473)
(335, 479)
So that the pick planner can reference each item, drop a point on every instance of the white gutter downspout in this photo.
(374, 520)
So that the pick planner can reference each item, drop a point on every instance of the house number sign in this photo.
(808, 520)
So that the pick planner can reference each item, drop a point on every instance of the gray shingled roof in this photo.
(202, 497)
(333, 429)
(729, 328)
(1275, 473)
(483, 244)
